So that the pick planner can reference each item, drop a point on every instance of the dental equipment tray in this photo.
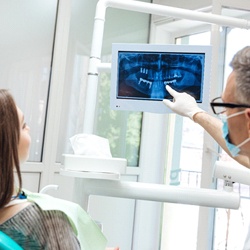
(94, 164)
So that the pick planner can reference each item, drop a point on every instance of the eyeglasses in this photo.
(219, 107)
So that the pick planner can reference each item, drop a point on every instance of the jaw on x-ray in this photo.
(145, 75)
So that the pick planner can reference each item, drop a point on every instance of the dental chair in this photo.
(6, 243)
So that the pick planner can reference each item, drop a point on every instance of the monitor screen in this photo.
(140, 73)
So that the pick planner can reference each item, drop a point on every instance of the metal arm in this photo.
(154, 192)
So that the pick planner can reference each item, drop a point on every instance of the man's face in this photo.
(237, 126)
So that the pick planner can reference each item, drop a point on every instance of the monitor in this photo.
(140, 73)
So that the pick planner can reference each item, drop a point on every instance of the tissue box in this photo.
(94, 164)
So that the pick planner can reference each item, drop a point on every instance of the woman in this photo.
(24, 219)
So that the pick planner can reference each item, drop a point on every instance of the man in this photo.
(233, 132)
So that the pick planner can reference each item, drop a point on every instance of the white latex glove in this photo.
(183, 103)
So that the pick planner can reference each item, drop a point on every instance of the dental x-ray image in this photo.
(144, 75)
(141, 72)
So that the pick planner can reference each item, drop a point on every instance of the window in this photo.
(25, 63)
(121, 128)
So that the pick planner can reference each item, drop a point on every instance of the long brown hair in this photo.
(9, 139)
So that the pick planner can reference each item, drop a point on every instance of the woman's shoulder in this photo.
(33, 226)
(31, 213)
(9, 212)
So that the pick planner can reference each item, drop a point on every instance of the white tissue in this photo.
(90, 145)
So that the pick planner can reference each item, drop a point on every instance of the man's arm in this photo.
(185, 105)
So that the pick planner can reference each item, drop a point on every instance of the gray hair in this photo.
(241, 66)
